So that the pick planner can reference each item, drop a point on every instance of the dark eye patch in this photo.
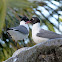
(32, 18)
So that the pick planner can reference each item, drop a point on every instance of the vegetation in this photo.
(11, 11)
(2, 13)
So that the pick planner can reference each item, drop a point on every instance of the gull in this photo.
(41, 35)
(20, 32)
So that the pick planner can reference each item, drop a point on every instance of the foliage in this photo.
(60, 18)
(2, 13)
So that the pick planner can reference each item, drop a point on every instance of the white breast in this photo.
(35, 30)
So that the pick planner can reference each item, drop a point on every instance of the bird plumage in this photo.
(20, 32)
(22, 29)
(48, 34)
(41, 35)
(35, 29)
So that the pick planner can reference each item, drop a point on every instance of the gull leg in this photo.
(16, 45)
(24, 43)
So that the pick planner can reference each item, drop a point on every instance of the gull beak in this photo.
(28, 22)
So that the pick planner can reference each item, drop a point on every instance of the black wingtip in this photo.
(9, 29)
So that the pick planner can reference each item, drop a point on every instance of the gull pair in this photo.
(38, 35)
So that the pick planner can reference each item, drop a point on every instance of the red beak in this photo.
(28, 22)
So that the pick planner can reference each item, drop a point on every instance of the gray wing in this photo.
(20, 28)
(48, 34)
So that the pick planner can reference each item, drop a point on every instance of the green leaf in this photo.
(60, 18)
(2, 13)
(50, 26)
(20, 4)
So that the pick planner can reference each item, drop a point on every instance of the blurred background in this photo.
(11, 12)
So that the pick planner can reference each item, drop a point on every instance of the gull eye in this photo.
(32, 18)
